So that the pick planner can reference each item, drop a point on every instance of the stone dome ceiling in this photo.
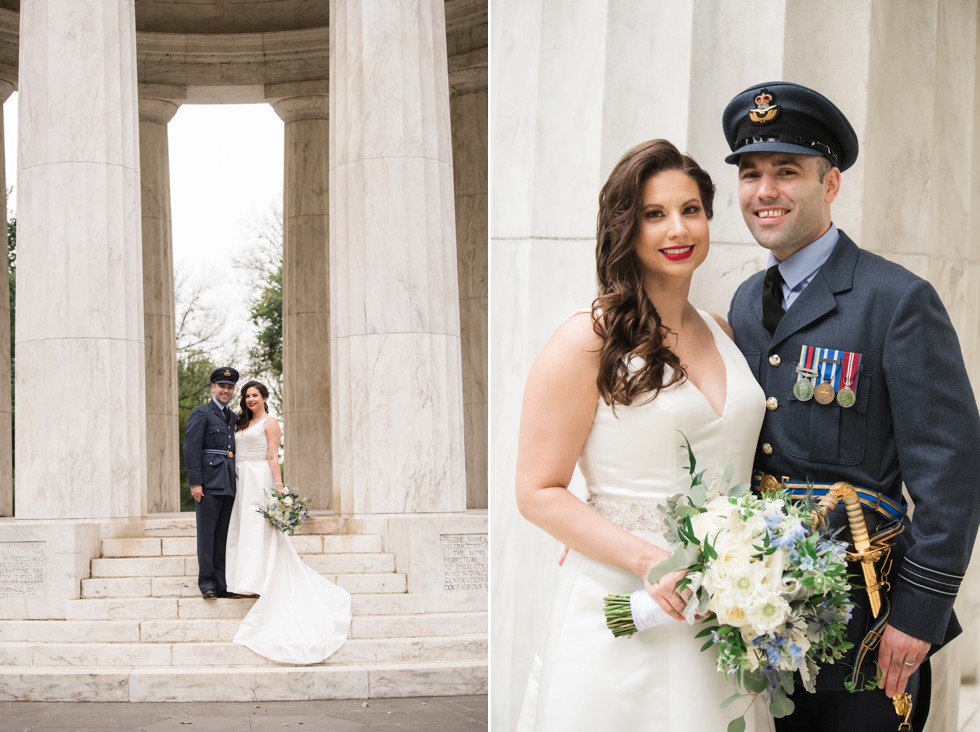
(229, 43)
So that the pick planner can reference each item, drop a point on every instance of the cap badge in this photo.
(227, 372)
(765, 111)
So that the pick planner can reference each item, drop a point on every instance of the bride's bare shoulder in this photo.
(578, 334)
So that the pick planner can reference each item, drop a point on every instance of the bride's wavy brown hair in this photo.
(245, 416)
(623, 315)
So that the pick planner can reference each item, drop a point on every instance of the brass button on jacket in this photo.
(767, 448)
(772, 404)
(774, 360)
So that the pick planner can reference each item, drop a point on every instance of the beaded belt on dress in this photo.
(249, 459)
(630, 514)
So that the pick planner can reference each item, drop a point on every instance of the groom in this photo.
(209, 453)
(865, 383)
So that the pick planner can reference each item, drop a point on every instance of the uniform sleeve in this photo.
(194, 446)
(937, 431)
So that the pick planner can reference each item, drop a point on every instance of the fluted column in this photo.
(81, 444)
(6, 438)
(395, 347)
(160, 344)
(305, 289)
(468, 107)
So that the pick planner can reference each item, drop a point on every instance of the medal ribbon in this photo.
(849, 371)
(829, 372)
(807, 356)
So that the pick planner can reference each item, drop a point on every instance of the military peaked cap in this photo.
(780, 116)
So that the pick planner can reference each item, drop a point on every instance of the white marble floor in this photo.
(970, 708)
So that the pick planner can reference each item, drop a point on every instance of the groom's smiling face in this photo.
(223, 392)
(785, 199)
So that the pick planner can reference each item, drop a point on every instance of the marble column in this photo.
(305, 289)
(6, 437)
(80, 429)
(395, 347)
(468, 109)
(160, 344)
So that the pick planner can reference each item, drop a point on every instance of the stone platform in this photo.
(139, 630)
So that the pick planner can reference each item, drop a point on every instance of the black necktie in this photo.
(772, 299)
(224, 413)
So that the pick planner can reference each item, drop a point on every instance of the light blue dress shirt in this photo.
(800, 269)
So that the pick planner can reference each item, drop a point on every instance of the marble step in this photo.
(252, 684)
(221, 654)
(180, 565)
(183, 524)
(186, 586)
(187, 545)
(172, 614)
(205, 629)
(163, 608)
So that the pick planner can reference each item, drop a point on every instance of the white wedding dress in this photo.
(300, 617)
(657, 680)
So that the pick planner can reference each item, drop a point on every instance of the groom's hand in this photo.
(197, 492)
(899, 656)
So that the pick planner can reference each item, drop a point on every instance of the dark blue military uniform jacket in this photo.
(209, 448)
(915, 420)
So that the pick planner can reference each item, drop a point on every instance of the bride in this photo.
(300, 617)
(613, 390)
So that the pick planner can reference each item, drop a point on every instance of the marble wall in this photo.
(576, 85)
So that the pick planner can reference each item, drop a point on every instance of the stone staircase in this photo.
(141, 632)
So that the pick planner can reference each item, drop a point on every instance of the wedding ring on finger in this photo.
(908, 663)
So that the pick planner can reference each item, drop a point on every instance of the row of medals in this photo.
(823, 392)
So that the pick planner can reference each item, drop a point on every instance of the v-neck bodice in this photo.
(634, 453)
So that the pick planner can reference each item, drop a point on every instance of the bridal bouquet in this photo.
(777, 590)
(285, 510)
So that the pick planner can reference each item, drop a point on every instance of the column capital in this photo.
(6, 89)
(160, 111)
(160, 102)
(299, 100)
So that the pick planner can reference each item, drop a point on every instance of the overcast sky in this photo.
(226, 169)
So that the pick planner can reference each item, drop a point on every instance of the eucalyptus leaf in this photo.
(699, 494)
(737, 491)
(754, 681)
(729, 474)
(780, 705)
(725, 704)
(737, 725)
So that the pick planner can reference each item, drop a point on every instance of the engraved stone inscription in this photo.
(464, 562)
(22, 570)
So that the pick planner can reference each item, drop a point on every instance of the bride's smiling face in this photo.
(253, 399)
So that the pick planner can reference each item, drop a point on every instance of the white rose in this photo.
(729, 610)
(732, 561)
(709, 523)
(288, 501)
